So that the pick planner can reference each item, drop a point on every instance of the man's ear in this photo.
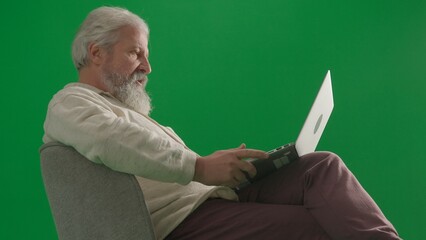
(96, 54)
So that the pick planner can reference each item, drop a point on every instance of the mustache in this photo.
(138, 76)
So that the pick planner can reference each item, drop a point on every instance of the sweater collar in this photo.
(89, 87)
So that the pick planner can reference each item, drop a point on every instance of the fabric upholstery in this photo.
(91, 201)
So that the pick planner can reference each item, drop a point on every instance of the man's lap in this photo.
(223, 219)
(272, 208)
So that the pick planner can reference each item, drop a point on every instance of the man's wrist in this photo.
(198, 169)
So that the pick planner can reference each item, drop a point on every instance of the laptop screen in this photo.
(317, 118)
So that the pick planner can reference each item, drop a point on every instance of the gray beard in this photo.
(125, 89)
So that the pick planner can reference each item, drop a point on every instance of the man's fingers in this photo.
(240, 177)
(242, 146)
(251, 153)
(248, 168)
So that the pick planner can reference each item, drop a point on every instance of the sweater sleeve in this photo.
(93, 129)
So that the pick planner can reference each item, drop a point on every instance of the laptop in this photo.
(307, 140)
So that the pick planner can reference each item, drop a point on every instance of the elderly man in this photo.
(105, 117)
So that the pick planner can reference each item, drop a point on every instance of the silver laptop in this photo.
(308, 138)
(317, 118)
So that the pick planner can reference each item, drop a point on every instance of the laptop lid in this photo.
(317, 118)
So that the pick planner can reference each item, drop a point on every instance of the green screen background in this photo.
(227, 72)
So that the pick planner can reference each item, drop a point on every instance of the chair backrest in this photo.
(91, 201)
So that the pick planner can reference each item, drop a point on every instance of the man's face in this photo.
(126, 67)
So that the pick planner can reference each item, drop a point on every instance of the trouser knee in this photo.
(328, 159)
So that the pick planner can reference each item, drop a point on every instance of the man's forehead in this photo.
(133, 36)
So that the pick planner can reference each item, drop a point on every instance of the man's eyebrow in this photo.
(141, 48)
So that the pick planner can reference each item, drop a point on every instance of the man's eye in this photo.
(134, 54)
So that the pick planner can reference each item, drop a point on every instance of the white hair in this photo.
(101, 27)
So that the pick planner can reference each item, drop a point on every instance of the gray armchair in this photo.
(91, 201)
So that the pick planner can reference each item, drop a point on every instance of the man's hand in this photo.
(226, 167)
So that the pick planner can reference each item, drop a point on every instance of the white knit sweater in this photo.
(107, 132)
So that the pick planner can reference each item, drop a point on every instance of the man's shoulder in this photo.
(79, 94)
(80, 88)
(77, 90)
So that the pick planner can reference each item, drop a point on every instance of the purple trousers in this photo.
(316, 197)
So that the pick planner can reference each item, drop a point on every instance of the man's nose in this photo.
(145, 66)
